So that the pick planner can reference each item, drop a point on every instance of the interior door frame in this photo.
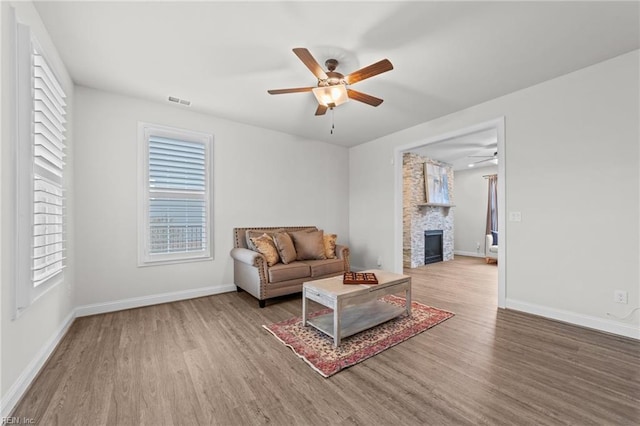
(499, 125)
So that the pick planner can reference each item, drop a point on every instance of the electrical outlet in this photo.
(620, 296)
(477, 246)
(379, 261)
(515, 216)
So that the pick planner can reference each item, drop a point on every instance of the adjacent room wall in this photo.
(470, 213)
(261, 178)
(578, 240)
(27, 341)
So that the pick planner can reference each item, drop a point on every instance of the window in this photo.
(175, 195)
(41, 111)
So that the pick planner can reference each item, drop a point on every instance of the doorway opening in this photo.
(445, 142)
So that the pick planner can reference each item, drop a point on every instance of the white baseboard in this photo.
(596, 323)
(468, 253)
(20, 386)
(138, 302)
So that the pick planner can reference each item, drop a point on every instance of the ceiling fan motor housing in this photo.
(331, 64)
(333, 77)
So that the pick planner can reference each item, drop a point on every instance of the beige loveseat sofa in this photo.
(252, 273)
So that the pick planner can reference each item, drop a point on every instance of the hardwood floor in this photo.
(209, 361)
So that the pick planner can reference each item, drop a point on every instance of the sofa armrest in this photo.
(247, 256)
(250, 271)
(488, 241)
(491, 250)
(342, 252)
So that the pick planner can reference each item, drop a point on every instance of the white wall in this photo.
(470, 213)
(261, 178)
(579, 236)
(28, 339)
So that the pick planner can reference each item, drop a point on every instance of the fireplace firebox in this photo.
(433, 246)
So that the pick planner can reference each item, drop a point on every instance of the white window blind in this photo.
(177, 195)
(48, 244)
(177, 210)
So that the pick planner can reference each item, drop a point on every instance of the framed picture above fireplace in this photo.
(436, 184)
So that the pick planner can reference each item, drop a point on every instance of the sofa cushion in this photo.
(281, 272)
(325, 267)
(309, 245)
(264, 245)
(286, 249)
(330, 245)
(254, 233)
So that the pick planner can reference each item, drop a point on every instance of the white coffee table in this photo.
(355, 307)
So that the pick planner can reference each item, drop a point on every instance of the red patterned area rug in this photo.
(316, 348)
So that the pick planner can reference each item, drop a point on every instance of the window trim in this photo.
(145, 130)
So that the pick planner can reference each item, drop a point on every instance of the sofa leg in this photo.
(262, 303)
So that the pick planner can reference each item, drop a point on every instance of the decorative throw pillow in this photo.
(285, 247)
(309, 245)
(254, 233)
(264, 245)
(330, 245)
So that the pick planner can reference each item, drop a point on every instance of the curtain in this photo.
(492, 208)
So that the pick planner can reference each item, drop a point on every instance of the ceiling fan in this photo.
(493, 158)
(332, 87)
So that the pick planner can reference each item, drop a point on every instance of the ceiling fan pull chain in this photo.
(333, 125)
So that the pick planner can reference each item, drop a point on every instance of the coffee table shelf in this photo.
(357, 318)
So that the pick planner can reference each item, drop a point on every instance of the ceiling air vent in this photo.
(179, 101)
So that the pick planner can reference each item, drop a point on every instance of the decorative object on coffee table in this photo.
(317, 349)
(359, 278)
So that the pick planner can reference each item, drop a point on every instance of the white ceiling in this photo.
(473, 148)
(223, 56)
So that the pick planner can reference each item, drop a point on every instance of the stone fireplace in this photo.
(419, 217)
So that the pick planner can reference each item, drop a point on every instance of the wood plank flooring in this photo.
(209, 361)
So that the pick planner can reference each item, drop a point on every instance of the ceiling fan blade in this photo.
(310, 62)
(321, 110)
(495, 154)
(484, 161)
(363, 97)
(293, 90)
(369, 71)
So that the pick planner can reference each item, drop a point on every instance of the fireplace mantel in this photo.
(435, 205)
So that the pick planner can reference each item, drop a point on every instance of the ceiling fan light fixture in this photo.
(331, 96)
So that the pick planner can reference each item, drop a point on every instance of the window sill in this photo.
(171, 261)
